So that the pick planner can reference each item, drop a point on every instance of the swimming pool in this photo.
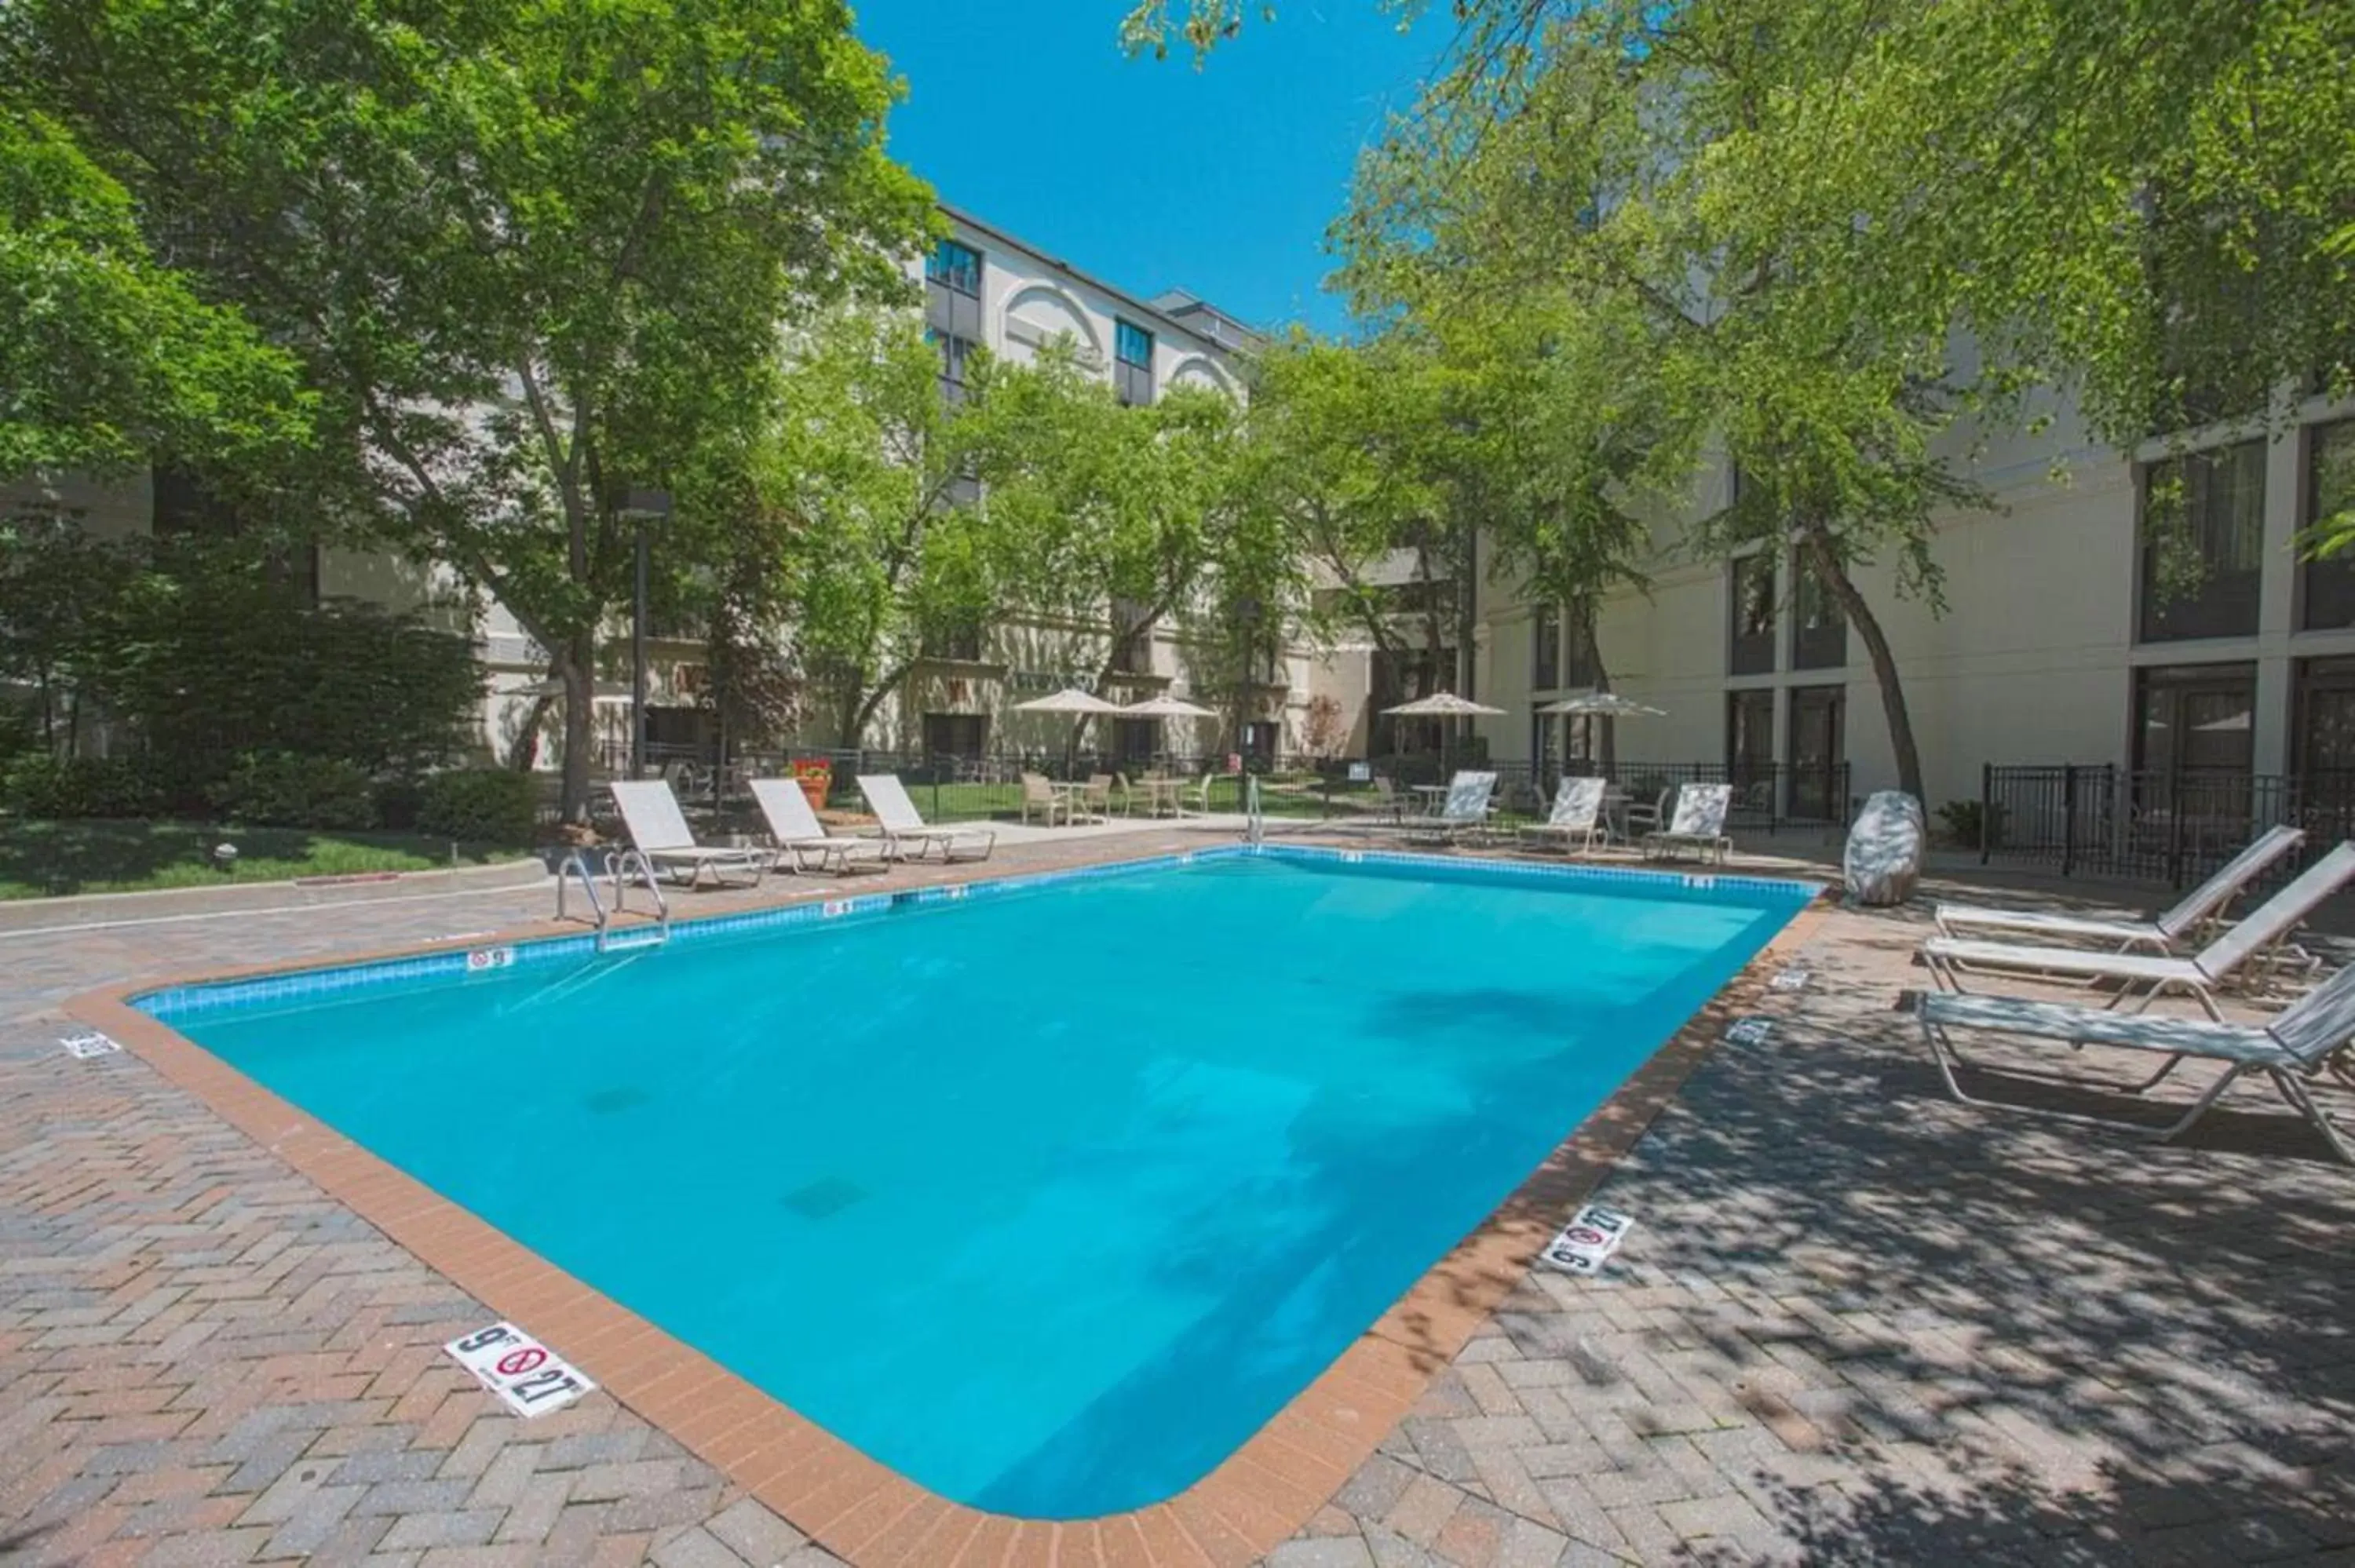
(1047, 1200)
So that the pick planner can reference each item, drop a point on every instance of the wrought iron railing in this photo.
(2173, 825)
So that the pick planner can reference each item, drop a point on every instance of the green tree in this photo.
(106, 355)
(874, 473)
(526, 253)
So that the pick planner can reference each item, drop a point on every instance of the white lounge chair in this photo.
(802, 842)
(2290, 1050)
(1466, 809)
(2208, 900)
(2144, 977)
(904, 827)
(658, 831)
(1699, 824)
(1577, 815)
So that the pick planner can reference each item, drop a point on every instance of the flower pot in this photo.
(815, 787)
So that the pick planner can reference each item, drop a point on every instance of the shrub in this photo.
(397, 801)
(277, 789)
(37, 784)
(1963, 819)
(479, 805)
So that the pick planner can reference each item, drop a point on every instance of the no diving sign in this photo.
(531, 1379)
(1593, 1234)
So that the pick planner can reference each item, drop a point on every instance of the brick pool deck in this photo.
(1857, 1323)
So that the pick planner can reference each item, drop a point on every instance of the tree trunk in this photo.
(1833, 572)
(523, 751)
(580, 673)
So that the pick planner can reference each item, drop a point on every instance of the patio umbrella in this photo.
(1603, 704)
(1082, 706)
(1166, 706)
(1443, 704)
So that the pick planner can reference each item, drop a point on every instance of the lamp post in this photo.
(641, 506)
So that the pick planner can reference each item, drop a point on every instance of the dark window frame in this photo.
(2326, 589)
(1822, 645)
(1545, 651)
(948, 265)
(1742, 762)
(2177, 682)
(944, 735)
(1123, 332)
(1750, 651)
(2226, 602)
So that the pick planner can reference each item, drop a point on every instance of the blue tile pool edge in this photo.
(191, 999)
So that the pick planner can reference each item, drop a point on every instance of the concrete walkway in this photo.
(1856, 1324)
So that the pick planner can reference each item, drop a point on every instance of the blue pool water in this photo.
(1047, 1200)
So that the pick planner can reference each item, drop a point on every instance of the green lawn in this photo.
(44, 859)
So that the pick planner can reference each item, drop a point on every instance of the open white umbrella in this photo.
(1603, 704)
(1069, 700)
(1166, 706)
(1443, 704)
(1081, 705)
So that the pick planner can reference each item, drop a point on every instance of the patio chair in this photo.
(1037, 795)
(2292, 1049)
(2202, 904)
(801, 840)
(1096, 798)
(658, 831)
(2144, 977)
(1577, 814)
(1643, 820)
(1464, 811)
(1699, 824)
(903, 826)
(1385, 801)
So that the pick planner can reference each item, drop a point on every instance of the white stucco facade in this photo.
(2041, 652)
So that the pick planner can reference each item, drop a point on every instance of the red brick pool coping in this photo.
(865, 1512)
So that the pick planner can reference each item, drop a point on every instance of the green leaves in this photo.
(106, 355)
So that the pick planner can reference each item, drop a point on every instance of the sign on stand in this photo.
(1593, 1234)
(88, 1045)
(529, 1378)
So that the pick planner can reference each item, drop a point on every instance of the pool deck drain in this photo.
(202, 1358)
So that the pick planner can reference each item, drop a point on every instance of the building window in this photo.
(1545, 672)
(956, 360)
(1132, 638)
(1751, 640)
(956, 734)
(1131, 369)
(1261, 737)
(2326, 587)
(2202, 541)
(1748, 737)
(1581, 664)
(1135, 739)
(1545, 742)
(2323, 725)
(1132, 344)
(958, 266)
(2195, 719)
(1818, 630)
(1818, 746)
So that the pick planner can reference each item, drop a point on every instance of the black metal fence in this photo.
(2100, 819)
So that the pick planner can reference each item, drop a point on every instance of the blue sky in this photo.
(1152, 174)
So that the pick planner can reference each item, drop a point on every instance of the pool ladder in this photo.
(1254, 817)
(622, 868)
